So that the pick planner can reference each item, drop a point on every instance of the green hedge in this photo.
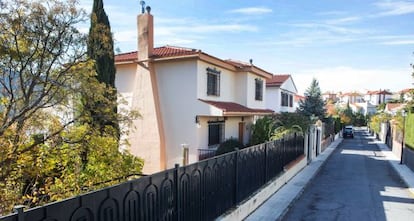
(409, 131)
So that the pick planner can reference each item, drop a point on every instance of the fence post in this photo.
(20, 212)
(236, 176)
(266, 164)
(176, 192)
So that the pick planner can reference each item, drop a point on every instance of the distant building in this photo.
(378, 97)
(330, 96)
(297, 99)
(280, 92)
(393, 108)
(406, 94)
(351, 97)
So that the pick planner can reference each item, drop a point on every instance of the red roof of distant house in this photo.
(406, 90)
(231, 108)
(392, 106)
(351, 94)
(378, 92)
(298, 97)
(277, 80)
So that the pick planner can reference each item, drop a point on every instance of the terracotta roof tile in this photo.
(161, 52)
(231, 107)
(298, 97)
(378, 92)
(277, 80)
(392, 106)
(406, 90)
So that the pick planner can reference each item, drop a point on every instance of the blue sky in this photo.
(348, 45)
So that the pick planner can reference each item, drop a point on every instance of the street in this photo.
(355, 184)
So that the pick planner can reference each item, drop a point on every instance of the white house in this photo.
(186, 98)
(366, 108)
(393, 108)
(351, 97)
(407, 94)
(378, 97)
(330, 96)
(280, 92)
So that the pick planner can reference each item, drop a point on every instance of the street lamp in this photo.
(404, 114)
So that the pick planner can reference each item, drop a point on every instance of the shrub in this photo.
(228, 146)
(263, 130)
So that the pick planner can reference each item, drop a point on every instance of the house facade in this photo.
(187, 99)
(406, 94)
(351, 97)
(280, 93)
(329, 96)
(378, 97)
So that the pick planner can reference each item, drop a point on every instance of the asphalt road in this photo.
(355, 184)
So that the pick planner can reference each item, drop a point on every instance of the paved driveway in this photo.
(355, 184)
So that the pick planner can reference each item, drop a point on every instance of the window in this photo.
(213, 82)
(290, 100)
(285, 99)
(215, 132)
(259, 89)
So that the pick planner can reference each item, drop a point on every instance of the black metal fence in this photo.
(200, 191)
(206, 153)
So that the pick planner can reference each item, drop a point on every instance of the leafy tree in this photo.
(101, 49)
(44, 71)
(313, 105)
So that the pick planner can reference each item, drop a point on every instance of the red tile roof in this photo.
(378, 92)
(298, 97)
(351, 94)
(408, 90)
(231, 108)
(177, 52)
(277, 80)
(161, 52)
(392, 106)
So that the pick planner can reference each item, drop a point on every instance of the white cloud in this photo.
(400, 42)
(391, 8)
(394, 39)
(346, 79)
(252, 11)
(343, 20)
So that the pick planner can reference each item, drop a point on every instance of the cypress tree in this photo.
(101, 49)
(313, 103)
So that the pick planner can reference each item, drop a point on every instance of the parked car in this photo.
(348, 131)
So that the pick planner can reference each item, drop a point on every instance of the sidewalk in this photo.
(278, 204)
(406, 175)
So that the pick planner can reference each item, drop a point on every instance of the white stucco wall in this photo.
(227, 83)
(251, 92)
(273, 98)
(177, 90)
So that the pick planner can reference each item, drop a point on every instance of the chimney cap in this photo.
(142, 3)
(148, 8)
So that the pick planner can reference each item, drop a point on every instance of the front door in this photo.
(241, 132)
